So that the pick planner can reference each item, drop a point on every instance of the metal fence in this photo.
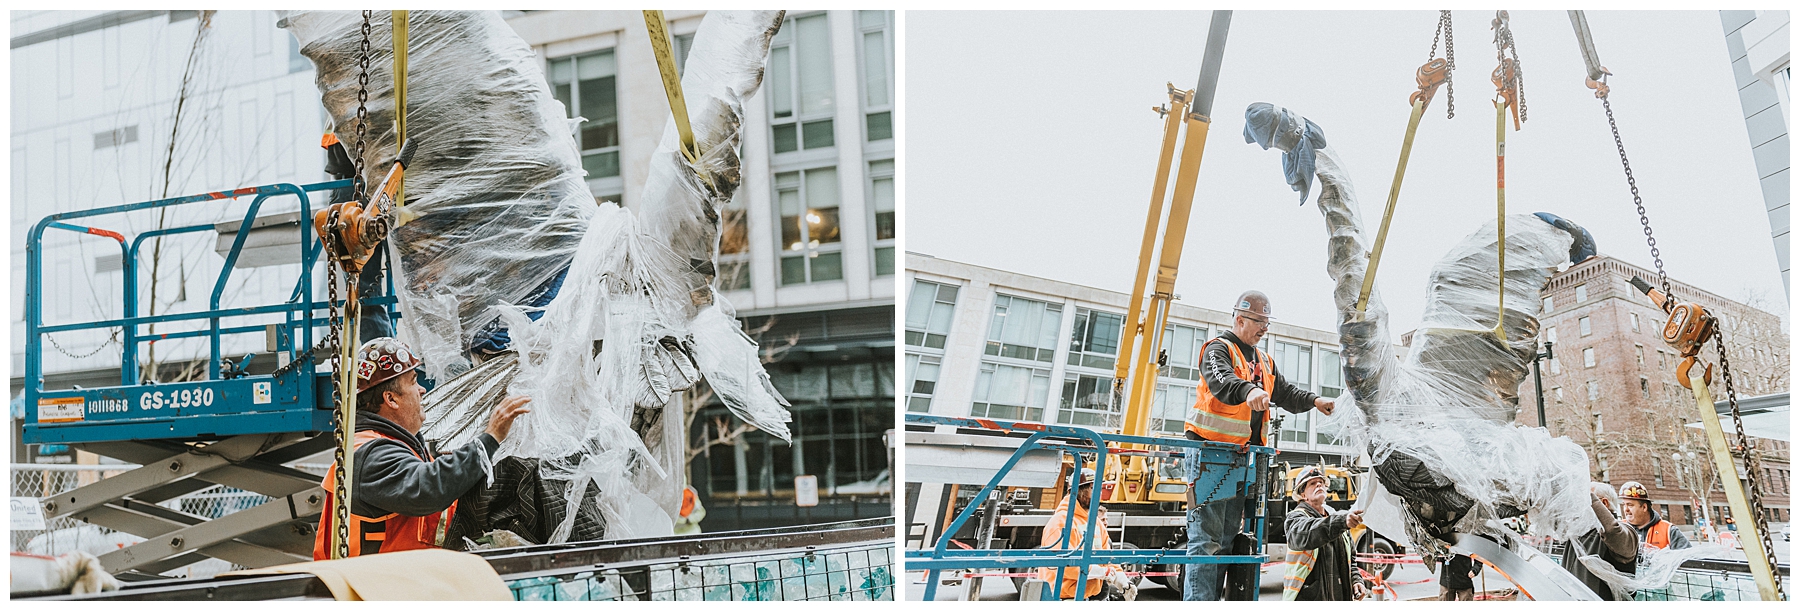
(64, 534)
(1698, 580)
(862, 571)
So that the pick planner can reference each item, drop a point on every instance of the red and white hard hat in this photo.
(380, 360)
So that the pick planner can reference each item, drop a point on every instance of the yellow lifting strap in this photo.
(1431, 75)
(401, 214)
(665, 63)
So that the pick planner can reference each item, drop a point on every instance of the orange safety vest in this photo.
(1212, 419)
(1658, 535)
(390, 533)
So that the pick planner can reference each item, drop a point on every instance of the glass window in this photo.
(1297, 428)
(734, 247)
(1640, 355)
(1581, 294)
(922, 377)
(1558, 392)
(1634, 322)
(1644, 386)
(1550, 335)
(1294, 362)
(877, 72)
(808, 204)
(1095, 340)
(1010, 391)
(1024, 329)
(1087, 401)
(881, 200)
(1587, 357)
(1548, 303)
(1555, 365)
(587, 86)
(1331, 374)
(1593, 388)
(1183, 344)
(800, 86)
(928, 313)
(1586, 329)
(1171, 406)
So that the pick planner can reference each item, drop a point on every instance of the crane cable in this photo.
(1596, 80)
(1433, 73)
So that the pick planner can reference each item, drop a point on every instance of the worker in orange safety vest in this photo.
(403, 497)
(1240, 383)
(1653, 530)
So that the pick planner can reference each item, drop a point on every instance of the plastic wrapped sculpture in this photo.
(504, 208)
(1439, 425)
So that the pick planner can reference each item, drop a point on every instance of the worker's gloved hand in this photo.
(510, 409)
(1117, 579)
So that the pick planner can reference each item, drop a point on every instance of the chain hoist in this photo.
(1689, 327)
(342, 401)
(1509, 75)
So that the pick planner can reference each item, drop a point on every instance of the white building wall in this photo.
(966, 341)
(1757, 42)
(250, 118)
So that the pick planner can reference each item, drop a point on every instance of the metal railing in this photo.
(1701, 579)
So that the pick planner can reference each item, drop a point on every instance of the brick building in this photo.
(1612, 387)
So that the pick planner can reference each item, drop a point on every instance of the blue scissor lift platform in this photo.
(231, 428)
(1227, 470)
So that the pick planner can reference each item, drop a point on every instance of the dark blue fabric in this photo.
(1265, 122)
(494, 338)
(1584, 246)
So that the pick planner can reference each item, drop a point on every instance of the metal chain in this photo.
(1444, 33)
(1503, 40)
(362, 108)
(97, 349)
(339, 403)
(1752, 463)
(334, 343)
(304, 358)
(1662, 277)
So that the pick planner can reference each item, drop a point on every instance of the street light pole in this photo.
(1538, 375)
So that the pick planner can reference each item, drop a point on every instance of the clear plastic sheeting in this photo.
(1656, 567)
(636, 322)
(1439, 425)
(496, 182)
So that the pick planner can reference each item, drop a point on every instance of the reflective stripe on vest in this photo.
(1658, 535)
(1212, 419)
(1299, 565)
(389, 533)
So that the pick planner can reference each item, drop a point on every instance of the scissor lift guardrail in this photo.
(231, 428)
(1240, 475)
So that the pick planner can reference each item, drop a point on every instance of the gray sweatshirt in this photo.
(390, 478)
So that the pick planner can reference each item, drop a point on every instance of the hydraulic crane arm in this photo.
(1148, 317)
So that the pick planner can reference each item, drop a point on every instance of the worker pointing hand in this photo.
(510, 409)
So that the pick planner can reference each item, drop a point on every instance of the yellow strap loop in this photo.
(1500, 198)
(665, 63)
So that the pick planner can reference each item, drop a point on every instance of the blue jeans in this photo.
(1210, 529)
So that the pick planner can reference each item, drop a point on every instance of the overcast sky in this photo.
(1031, 146)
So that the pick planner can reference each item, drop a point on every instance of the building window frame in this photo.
(789, 132)
(877, 114)
(1587, 327)
(884, 231)
(937, 307)
(607, 155)
(810, 249)
(918, 398)
(1587, 357)
(1581, 293)
(1088, 340)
